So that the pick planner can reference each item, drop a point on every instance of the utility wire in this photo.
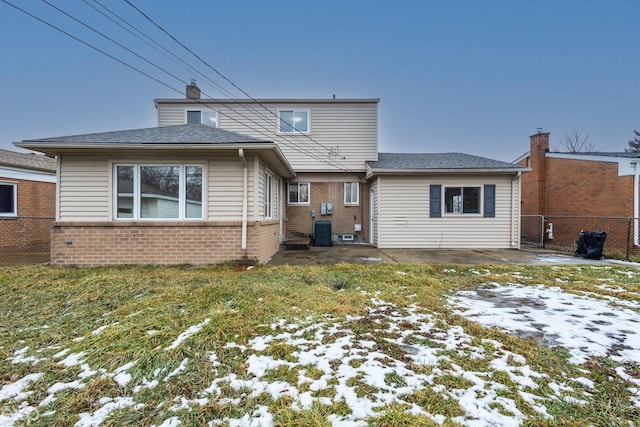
(330, 150)
(113, 41)
(215, 70)
(139, 70)
(160, 48)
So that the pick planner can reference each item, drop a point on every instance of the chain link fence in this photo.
(561, 232)
(24, 240)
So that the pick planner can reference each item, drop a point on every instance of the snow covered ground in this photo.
(392, 355)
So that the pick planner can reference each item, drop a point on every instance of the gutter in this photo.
(378, 172)
(245, 197)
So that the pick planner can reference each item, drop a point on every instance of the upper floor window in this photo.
(462, 200)
(158, 191)
(299, 193)
(8, 199)
(351, 193)
(204, 117)
(293, 121)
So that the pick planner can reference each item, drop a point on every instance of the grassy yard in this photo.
(340, 345)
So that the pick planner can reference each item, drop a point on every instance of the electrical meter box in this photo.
(329, 208)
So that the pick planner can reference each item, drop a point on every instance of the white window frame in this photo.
(268, 195)
(182, 192)
(299, 203)
(350, 192)
(294, 111)
(462, 213)
(215, 114)
(15, 199)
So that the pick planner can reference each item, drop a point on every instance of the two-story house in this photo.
(326, 141)
(227, 180)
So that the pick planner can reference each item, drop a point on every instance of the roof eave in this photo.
(47, 146)
(266, 101)
(375, 172)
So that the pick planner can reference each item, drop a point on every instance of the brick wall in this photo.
(36, 210)
(91, 244)
(576, 195)
(534, 182)
(344, 218)
(587, 188)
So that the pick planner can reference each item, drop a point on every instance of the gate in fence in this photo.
(561, 232)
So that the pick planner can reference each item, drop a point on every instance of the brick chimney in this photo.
(193, 92)
(536, 203)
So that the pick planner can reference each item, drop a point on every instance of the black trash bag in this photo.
(590, 244)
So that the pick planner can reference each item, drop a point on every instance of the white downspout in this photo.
(636, 202)
(515, 211)
(245, 197)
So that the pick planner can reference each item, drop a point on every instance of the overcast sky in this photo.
(452, 76)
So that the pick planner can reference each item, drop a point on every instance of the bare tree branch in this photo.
(578, 142)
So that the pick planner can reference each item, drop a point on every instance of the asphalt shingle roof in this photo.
(430, 161)
(625, 154)
(179, 134)
(27, 160)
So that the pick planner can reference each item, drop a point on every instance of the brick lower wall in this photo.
(89, 244)
(31, 228)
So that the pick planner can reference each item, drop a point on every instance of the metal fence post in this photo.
(628, 240)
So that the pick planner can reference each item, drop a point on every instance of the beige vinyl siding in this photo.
(404, 221)
(351, 128)
(84, 188)
(225, 188)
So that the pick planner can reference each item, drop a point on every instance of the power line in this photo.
(152, 77)
(160, 48)
(296, 148)
(215, 70)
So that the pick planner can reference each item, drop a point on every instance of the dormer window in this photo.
(293, 121)
(203, 117)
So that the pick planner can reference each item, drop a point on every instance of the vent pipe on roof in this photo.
(193, 91)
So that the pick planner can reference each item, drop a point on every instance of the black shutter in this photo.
(490, 200)
(435, 201)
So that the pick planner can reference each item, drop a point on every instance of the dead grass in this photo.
(117, 315)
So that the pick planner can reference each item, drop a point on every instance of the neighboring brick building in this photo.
(27, 201)
(576, 191)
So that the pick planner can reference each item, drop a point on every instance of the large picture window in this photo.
(8, 199)
(462, 200)
(298, 193)
(293, 121)
(158, 191)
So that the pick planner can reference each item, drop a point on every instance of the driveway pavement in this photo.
(364, 254)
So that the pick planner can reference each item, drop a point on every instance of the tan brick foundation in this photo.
(89, 244)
